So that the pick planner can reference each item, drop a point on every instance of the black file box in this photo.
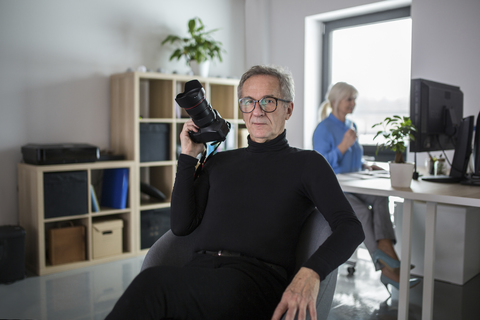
(65, 193)
(154, 223)
(154, 142)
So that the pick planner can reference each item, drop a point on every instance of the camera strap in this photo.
(205, 156)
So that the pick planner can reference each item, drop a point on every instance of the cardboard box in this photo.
(66, 244)
(107, 238)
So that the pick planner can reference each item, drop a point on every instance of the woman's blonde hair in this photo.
(336, 93)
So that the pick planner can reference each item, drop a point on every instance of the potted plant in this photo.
(198, 49)
(396, 131)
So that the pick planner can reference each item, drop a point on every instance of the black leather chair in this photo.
(171, 250)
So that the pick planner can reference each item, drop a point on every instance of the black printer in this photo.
(44, 154)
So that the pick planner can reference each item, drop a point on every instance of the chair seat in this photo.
(171, 250)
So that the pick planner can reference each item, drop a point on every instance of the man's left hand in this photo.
(300, 296)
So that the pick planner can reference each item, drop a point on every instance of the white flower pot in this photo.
(401, 174)
(200, 69)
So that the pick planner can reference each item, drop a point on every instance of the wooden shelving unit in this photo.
(32, 214)
(149, 98)
(137, 100)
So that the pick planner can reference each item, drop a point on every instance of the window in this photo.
(373, 53)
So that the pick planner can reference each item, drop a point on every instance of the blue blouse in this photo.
(328, 135)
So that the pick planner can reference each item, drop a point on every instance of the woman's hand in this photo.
(188, 146)
(348, 140)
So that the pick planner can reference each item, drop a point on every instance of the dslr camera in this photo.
(212, 126)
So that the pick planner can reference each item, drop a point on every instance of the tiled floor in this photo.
(89, 293)
(86, 293)
(362, 296)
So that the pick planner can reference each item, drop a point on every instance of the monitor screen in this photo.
(476, 149)
(436, 110)
(474, 178)
(463, 150)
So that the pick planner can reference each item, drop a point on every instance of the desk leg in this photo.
(404, 292)
(429, 266)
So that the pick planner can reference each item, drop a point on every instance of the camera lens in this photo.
(212, 126)
(194, 102)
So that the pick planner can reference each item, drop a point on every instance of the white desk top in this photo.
(445, 193)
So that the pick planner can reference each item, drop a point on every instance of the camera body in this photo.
(212, 127)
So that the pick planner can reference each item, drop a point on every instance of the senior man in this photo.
(247, 207)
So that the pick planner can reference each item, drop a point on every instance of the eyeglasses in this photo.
(267, 104)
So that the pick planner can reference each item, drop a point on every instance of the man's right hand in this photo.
(188, 146)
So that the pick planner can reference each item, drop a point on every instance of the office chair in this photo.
(171, 250)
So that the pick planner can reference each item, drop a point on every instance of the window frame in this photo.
(330, 26)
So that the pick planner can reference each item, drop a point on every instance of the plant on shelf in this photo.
(199, 48)
(396, 131)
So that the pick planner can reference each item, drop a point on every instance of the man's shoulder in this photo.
(306, 154)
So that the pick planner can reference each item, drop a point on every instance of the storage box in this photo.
(65, 193)
(12, 253)
(107, 238)
(154, 223)
(66, 244)
(154, 142)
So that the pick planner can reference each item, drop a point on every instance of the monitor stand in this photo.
(472, 180)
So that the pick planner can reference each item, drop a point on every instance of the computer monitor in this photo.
(474, 178)
(476, 149)
(436, 110)
(461, 157)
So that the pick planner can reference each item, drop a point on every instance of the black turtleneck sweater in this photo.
(255, 200)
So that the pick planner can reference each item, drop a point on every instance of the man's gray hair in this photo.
(287, 87)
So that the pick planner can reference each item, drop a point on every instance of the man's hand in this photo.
(188, 146)
(300, 296)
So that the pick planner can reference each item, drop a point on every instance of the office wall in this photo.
(445, 45)
(284, 27)
(445, 48)
(56, 58)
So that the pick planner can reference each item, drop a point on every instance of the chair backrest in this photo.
(314, 232)
(176, 251)
(171, 250)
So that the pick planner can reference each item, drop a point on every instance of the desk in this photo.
(431, 193)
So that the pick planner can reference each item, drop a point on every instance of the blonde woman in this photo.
(336, 139)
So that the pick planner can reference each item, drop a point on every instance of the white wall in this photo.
(56, 58)
(445, 45)
(285, 31)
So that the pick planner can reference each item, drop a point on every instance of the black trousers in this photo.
(209, 288)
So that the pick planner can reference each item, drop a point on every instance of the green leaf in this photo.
(200, 46)
(396, 130)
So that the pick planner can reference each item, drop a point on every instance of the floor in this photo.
(89, 293)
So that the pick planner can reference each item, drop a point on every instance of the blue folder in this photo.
(115, 188)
